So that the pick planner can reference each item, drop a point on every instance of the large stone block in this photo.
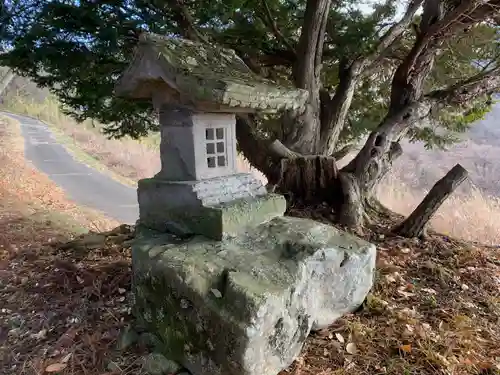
(245, 305)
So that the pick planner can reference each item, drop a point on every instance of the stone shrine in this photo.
(227, 284)
(197, 93)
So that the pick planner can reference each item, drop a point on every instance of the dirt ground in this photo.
(434, 309)
(55, 303)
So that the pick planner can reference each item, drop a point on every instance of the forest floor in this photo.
(56, 307)
(64, 298)
(434, 309)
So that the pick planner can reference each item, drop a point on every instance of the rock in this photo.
(149, 340)
(127, 337)
(89, 241)
(158, 364)
(277, 281)
(113, 367)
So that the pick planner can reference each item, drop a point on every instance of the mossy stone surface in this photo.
(216, 221)
(202, 73)
(245, 305)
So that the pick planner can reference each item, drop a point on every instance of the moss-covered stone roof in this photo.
(204, 74)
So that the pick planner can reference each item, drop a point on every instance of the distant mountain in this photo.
(479, 154)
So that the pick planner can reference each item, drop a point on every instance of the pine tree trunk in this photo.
(362, 175)
(316, 129)
(415, 224)
(310, 180)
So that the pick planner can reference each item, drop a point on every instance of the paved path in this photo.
(82, 184)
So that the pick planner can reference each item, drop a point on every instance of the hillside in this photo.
(479, 153)
(434, 308)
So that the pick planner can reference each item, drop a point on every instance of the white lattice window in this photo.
(216, 147)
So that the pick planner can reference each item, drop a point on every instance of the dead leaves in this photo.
(406, 348)
(66, 313)
(67, 339)
(60, 365)
(418, 318)
(351, 348)
(55, 367)
(340, 338)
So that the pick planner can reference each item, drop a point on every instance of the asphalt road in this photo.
(82, 184)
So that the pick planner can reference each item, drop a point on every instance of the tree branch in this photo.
(408, 105)
(269, 20)
(185, 21)
(343, 152)
(392, 35)
(310, 46)
(303, 129)
(464, 91)
(262, 153)
(437, 26)
(415, 224)
(336, 108)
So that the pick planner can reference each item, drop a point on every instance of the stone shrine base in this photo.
(245, 305)
(215, 208)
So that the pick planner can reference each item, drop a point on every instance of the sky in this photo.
(367, 7)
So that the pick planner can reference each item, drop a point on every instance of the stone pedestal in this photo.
(215, 208)
(245, 305)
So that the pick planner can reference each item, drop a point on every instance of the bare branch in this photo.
(415, 224)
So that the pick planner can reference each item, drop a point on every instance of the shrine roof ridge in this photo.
(202, 73)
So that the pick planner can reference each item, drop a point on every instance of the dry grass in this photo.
(471, 216)
(127, 157)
